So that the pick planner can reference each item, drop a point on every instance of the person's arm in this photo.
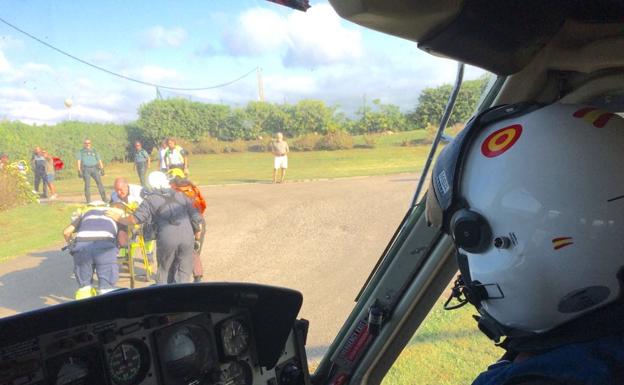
(149, 159)
(68, 231)
(196, 218)
(98, 159)
(287, 148)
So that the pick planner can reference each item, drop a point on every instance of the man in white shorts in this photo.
(280, 151)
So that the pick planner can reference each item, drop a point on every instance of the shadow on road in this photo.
(43, 279)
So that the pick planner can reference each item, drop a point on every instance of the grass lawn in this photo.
(447, 349)
(388, 157)
(32, 227)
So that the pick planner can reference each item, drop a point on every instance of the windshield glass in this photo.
(296, 139)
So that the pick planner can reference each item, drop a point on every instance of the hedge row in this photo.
(65, 139)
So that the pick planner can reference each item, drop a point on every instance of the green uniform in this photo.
(140, 161)
(90, 163)
(88, 157)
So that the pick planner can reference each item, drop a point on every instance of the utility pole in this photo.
(260, 85)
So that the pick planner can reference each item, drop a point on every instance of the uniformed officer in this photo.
(176, 157)
(93, 243)
(178, 226)
(142, 161)
(90, 166)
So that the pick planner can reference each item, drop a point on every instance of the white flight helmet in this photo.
(533, 197)
(158, 180)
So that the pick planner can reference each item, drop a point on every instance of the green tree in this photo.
(379, 118)
(432, 101)
(311, 116)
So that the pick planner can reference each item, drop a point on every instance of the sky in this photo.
(195, 44)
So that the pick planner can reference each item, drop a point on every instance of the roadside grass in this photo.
(394, 139)
(252, 167)
(446, 349)
(32, 227)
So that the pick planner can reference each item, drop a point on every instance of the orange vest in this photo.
(191, 191)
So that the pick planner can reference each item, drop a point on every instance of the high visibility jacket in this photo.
(175, 156)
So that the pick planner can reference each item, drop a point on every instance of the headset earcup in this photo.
(470, 231)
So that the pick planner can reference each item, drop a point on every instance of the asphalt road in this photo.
(321, 238)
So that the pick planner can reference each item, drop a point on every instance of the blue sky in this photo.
(196, 44)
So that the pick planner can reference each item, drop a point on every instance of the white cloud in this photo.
(257, 31)
(159, 36)
(318, 38)
(155, 74)
(314, 38)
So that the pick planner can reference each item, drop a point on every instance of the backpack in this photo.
(193, 193)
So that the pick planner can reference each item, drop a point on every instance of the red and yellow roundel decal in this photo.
(501, 140)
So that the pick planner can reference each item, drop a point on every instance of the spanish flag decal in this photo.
(501, 140)
(561, 242)
(594, 116)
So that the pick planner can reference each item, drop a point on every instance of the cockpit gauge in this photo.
(186, 351)
(74, 370)
(236, 373)
(234, 337)
(129, 362)
(78, 367)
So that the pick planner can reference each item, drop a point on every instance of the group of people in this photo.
(167, 205)
(172, 209)
(90, 165)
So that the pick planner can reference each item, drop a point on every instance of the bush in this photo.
(14, 189)
(338, 140)
(209, 145)
(64, 141)
(237, 145)
(263, 144)
(369, 141)
(189, 146)
(307, 142)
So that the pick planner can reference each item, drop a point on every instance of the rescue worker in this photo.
(92, 239)
(178, 227)
(176, 156)
(131, 196)
(90, 166)
(179, 182)
(142, 162)
(532, 198)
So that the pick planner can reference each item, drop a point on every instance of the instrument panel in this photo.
(219, 347)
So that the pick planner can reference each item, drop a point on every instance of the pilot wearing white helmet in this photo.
(533, 197)
(178, 227)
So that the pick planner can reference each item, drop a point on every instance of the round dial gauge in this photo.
(128, 362)
(74, 370)
(236, 373)
(235, 336)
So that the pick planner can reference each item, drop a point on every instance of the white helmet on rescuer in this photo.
(158, 180)
(534, 199)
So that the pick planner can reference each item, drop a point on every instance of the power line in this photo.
(97, 67)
